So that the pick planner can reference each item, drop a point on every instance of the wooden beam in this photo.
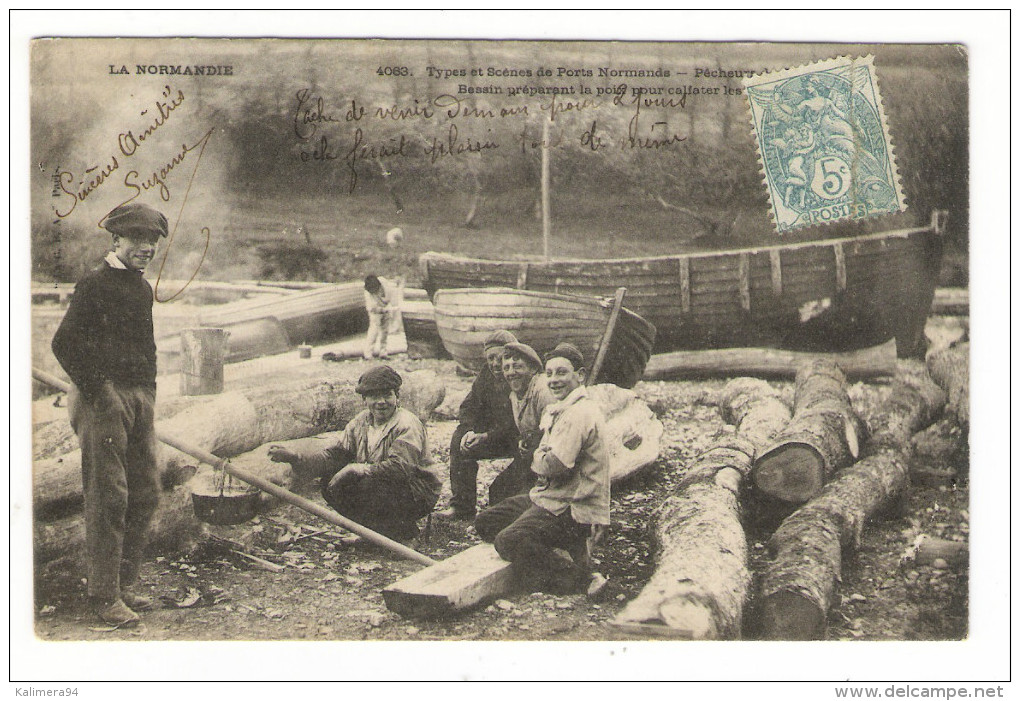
(685, 283)
(840, 255)
(745, 282)
(464, 580)
(522, 277)
(776, 265)
(867, 363)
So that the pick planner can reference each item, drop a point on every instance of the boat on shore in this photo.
(465, 317)
(832, 295)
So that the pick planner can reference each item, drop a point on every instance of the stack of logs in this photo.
(822, 465)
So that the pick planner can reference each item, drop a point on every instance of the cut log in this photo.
(950, 368)
(235, 422)
(865, 364)
(701, 579)
(807, 548)
(823, 437)
(55, 437)
(479, 574)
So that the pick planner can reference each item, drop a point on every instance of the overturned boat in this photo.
(831, 295)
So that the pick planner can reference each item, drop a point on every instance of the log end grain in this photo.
(791, 472)
(786, 615)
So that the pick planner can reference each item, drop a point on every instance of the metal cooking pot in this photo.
(224, 504)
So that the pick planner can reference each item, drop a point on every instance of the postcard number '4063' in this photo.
(393, 70)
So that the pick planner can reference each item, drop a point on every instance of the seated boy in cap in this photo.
(105, 344)
(529, 396)
(486, 430)
(375, 473)
(572, 491)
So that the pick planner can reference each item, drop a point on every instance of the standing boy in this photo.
(105, 344)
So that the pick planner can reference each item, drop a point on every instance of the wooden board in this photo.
(468, 578)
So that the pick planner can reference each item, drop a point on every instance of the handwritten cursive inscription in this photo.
(129, 143)
(360, 151)
(159, 175)
(309, 114)
(81, 191)
(453, 146)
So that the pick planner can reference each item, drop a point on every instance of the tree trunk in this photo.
(822, 437)
(701, 581)
(869, 363)
(55, 438)
(950, 368)
(232, 423)
(807, 549)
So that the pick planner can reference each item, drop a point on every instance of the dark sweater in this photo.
(487, 409)
(107, 331)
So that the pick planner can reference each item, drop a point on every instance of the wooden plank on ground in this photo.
(464, 580)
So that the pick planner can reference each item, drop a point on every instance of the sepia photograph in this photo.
(422, 340)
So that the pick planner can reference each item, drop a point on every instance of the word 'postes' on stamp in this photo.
(824, 145)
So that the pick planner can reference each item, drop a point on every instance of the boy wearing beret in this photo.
(487, 429)
(375, 474)
(105, 344)
(571, 494)
(529, 396)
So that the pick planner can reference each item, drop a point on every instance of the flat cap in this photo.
(379, 379)
(568, 351)
(524, 352)
(499, 338)
(136, 220)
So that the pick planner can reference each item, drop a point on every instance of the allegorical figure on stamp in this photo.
(105, 344)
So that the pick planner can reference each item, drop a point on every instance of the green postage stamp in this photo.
(824, 143)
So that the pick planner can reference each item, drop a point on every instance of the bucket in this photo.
(203, 351)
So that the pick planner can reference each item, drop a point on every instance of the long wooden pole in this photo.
(607, 336)
(545, 188)
(266, 486)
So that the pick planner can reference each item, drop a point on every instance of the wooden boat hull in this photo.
(833, 295)
(465, 317)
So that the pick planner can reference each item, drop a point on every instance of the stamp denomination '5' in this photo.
(824, 143)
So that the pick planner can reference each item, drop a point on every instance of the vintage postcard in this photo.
(298, 314)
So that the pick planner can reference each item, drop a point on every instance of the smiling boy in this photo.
(375, 474)
(571, 493)
(105, 344)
